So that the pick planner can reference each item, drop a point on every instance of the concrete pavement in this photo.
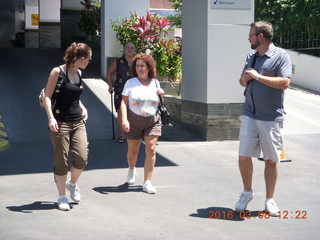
(195, 180)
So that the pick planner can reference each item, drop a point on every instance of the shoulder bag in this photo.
(164, 113)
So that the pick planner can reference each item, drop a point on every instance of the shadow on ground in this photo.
(36, 206)
(30, 149)
(118, 189)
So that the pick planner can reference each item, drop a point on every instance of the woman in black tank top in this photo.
(67, 121)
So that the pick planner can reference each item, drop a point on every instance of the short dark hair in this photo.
(265, 28)
(151, 65)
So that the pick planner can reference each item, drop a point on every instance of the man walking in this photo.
(266, 75)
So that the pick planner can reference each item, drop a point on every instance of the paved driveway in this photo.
(198, 182)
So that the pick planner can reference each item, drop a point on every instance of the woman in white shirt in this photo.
(140, 116)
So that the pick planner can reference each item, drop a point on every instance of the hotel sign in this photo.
(228, 4)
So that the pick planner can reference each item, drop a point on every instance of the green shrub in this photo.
(145, 33)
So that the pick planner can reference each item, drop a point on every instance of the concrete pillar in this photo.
(49, 23)
(113, 9)
(215, 44)
(31, 34)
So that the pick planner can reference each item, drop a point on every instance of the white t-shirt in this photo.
(143, 100)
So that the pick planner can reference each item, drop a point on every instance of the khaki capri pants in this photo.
(72, 136)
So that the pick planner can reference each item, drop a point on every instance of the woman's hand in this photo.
(160, 91)
(125, 125)
(110, 90)
(84, 114)
(84, 111)
(53, 125)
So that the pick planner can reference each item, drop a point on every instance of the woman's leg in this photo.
(149, 163)
(79, 149)
(119, 122)
(60, 142)
(61, 184)
(133, 150)
(75, 174)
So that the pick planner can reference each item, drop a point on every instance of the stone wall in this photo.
(49, 35)
(173, 104)
(211, 122)
(31, 38)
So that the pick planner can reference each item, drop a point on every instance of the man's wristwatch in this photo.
(258, 77)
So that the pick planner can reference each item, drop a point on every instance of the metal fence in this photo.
(303, 41)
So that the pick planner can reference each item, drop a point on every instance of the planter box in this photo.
(171, 88)
(210, 122)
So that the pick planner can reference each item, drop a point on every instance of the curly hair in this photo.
(76, 51)
(151, 65)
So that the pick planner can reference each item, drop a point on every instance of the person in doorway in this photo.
(140, 118)
(121, 67)
(67, 121)
(266, 75)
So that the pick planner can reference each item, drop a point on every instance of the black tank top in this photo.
(67, 108)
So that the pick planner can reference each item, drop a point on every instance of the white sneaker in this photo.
(74, 191)
(131, 178)
(148, 188)
(272, 207)
(63, 203)
(245, 198)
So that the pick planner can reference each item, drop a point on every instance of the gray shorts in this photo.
(142, 126)
(256, 136)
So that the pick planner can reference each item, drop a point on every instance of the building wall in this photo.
(49, 10)
(49, 35)
(160, 4)
(69, 27)
(111, 10)
(211, 97)
(306, 71)
(31, 38)
(31, 7)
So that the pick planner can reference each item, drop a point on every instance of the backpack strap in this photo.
(254, 60)
(252, 66)
(80, 78)
(61, 77)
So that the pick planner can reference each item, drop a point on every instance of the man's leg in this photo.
(270, 175)
(246, 170)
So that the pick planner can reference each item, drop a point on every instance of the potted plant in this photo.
(90, 22)
(146, 33)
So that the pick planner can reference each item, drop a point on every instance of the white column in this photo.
(214, 47)
(49, 10)
(113, 9)
(31, 8)
(215, 43)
